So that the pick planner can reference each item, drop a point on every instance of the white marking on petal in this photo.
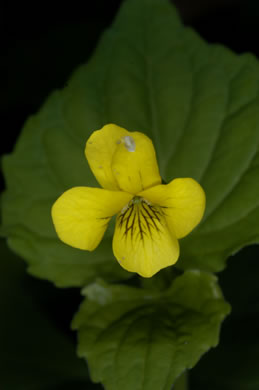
(129, 143)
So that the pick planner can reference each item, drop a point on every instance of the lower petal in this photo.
(183, 202)
(81, 215)
(142, 242)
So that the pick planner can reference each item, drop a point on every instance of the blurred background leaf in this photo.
(37, 349)
(234, 364)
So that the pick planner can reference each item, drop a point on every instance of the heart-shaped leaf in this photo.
(198, 103)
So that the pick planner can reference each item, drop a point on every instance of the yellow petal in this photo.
(99, 151)
(81, 215)
(142, 242)
(183, 202)
(134, 163)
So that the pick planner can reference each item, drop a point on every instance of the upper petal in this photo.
(122, 160)
(134, 163)
(81, 215)
(142, 242)
(183, 202)
(99, 151)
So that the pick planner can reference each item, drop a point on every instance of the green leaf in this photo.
(141, 339)
(199, 104)
(35, 353)
(237, 356)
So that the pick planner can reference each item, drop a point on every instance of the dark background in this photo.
(40, 47)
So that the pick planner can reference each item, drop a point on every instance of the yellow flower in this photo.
(151, 216)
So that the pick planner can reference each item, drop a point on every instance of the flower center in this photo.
(140, 219)
(137, 200)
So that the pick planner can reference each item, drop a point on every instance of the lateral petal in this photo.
(99, 151)
(183, 202)
(81, 215)
(142, 242)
